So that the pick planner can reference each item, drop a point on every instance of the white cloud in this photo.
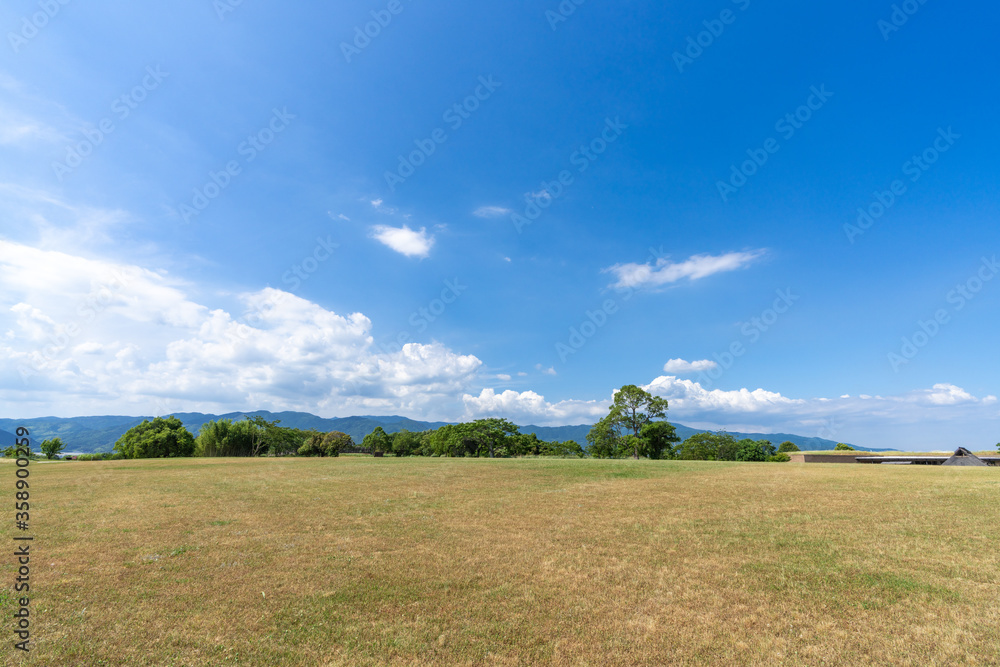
(665, 272)
(918, 420)
(86, 336)
(404, 240)
(682, 367)
(529, 407)
(93, 336)
(547, 371)
(491, 212)
(17, 128)
(57, 224)
(947, 394)
(914, 420)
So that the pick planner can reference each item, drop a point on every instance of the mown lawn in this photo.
(362, 561)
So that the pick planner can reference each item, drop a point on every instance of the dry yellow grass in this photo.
(360, 561)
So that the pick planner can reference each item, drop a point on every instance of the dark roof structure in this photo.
(963, 457)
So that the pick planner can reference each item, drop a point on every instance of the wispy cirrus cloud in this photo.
(491, 212)
(664, 272)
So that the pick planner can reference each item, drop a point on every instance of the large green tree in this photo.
(496, 436)
(160, 438)
(658, 440)
(632, 410)
(788, 446)
(251, 436)
(604, 440)
(53, 448)
(708, 446)
(407, 443)
(377, 441)
(753, 450)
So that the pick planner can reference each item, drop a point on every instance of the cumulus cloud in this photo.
(491, 212)
(947, 394)
(82, 334)
(404, 240)
(914, 420)
(529, 407)
(682, 367)
(664, 272)
(79, 336)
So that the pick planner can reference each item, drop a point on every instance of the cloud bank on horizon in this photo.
(95, 337)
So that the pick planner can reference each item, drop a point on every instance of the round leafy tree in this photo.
(53, 448)
(157, 439)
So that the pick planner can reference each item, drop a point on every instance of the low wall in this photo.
(803, 457)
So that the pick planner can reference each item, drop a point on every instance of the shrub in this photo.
(788, 446)
(101, 456)
(751, 450)
(780, 457)
(326, 444)
(841, 447)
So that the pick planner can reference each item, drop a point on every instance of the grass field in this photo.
(362, 561)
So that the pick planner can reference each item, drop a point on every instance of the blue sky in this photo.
(286, 215)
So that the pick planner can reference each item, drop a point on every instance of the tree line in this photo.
(255, 436)
(635, 427)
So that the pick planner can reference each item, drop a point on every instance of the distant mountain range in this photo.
(99, 434)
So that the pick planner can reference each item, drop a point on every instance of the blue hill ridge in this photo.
(99, 433)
